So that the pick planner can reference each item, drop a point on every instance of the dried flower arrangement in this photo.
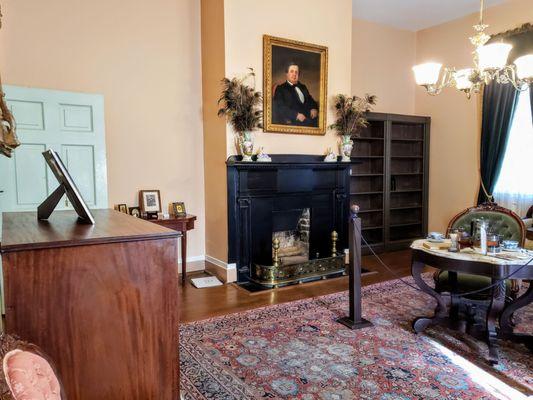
(350, 112)
(240, 104)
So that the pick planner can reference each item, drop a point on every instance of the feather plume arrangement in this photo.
(239, 103)
(351, 113)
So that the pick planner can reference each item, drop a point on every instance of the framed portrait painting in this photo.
(294, 86)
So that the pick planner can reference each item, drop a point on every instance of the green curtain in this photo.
(531, 100)
(499, 104)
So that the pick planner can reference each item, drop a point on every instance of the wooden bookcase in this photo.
(390, 180)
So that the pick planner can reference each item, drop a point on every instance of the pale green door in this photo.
(70, 123)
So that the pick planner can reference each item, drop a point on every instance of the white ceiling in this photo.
(414, 15)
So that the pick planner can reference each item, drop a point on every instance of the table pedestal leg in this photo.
(183, 257)
(422, 323)
(506, 325)
(496, 306)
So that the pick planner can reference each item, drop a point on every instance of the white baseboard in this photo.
(220, 263)
(192, 259)
(226, 272)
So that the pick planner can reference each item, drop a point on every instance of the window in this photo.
(514, 188)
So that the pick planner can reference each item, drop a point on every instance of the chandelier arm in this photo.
(510, 74)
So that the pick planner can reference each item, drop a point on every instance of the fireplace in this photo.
(287, 219)
(291, 230)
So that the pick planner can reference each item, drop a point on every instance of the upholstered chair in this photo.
(503, 222)
(528, 222)
(27, 373)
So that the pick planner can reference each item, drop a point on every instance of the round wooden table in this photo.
(498, 320)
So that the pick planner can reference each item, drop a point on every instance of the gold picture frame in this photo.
(178, 209)
(279, 116)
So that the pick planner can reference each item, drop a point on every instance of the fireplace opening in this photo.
(293, 242)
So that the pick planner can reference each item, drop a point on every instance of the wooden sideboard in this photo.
(101, 300)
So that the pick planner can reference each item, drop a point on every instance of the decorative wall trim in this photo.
(511, 32)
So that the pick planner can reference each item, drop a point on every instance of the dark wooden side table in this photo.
(529, 233)
(498, 321)
(180, 224)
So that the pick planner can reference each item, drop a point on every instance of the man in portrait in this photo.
(292, 103)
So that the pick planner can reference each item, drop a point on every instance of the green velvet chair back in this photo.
(502, 221)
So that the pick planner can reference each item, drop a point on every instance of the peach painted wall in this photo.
(146, 61)
(314, 21)
(455, 122)
(382, 58)
(213, 69)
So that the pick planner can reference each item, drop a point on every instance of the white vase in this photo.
(246, 145)
(346, 147)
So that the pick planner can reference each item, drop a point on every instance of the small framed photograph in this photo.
(123, 208)
(135, 212)
(178, 209)
(150, 201)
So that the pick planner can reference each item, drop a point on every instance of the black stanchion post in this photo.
(355, 319)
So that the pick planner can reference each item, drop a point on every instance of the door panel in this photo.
(30, 175)
(76, 118)
(30, 114)
(79, 160)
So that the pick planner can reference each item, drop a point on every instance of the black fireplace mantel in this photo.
(257, 190)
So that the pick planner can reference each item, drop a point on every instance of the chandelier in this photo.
(490, 64)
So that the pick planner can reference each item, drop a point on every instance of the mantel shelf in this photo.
(356, 156)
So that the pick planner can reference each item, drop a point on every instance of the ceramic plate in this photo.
(435, 240)
(518, 249)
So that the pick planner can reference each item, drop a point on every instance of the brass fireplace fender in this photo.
(278, 274)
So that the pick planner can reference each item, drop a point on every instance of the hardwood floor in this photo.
(197, 304)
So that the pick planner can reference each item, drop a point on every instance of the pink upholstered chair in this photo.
(27, 374)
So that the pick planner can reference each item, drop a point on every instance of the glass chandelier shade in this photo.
(490, 64)
(462, 79)
(427, 74)
(524, 67)
(493, 56)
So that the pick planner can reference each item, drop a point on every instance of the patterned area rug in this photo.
(297, 351)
